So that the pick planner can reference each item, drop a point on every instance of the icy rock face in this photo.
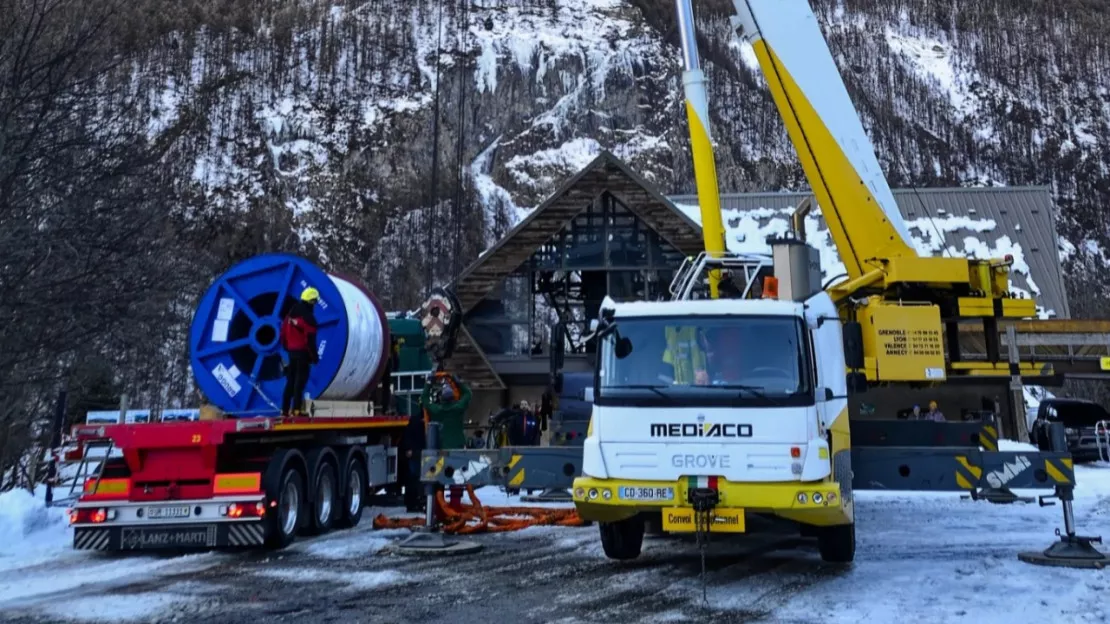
(321, 114)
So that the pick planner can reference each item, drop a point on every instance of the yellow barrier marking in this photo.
(1054, 472)
(974, 470)
(513, 461)
(518, 478)
(963, 482)
(438, 468)
(1067, 463)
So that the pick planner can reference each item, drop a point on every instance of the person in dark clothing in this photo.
(523, 427)
(413, 443)
(298, 338)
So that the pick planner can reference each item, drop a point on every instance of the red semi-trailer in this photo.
(232, 483)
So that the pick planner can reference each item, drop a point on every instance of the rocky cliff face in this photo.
(316, 120)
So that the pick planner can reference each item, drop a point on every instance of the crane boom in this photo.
(837, 156)
(701, 141)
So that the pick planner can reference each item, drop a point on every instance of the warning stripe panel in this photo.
(967, 474)
(515, 478)
(1060, 470)
(988, 437)
(245, 534)
(91, 539)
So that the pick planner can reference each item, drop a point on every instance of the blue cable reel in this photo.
(235, 353)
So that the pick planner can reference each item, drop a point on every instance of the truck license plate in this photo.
(155, 538)
(168, 511)
(635, 493)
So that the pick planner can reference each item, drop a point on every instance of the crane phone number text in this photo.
(645, 493)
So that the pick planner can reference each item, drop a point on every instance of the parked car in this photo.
(1079, 418)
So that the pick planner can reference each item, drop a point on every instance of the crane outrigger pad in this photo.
(429, 544)
(1069, 552)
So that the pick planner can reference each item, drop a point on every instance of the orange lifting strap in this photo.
(476, 518)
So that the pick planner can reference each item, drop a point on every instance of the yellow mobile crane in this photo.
(898, 296)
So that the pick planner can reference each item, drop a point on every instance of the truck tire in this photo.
(324, 493)
(354, 492)
(837, 544)
(286, 518)
(622, 540)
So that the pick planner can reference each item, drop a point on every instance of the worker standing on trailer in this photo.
(298, 338)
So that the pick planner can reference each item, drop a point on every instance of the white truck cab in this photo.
(741, 402)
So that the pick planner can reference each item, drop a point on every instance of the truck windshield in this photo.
(749, 360)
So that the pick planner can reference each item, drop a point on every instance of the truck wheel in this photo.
(353, 494)
(325, 499)
(837, 544)
(622, 540)
(286, 519)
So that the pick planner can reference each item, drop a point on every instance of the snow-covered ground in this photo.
(922, 557)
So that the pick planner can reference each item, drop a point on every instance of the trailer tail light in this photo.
(795, 452)
(91, 515)
(237, 483)
(244, 510)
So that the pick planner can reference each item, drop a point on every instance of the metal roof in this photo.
(1024, 225)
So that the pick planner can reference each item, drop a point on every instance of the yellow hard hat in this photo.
(310, 295)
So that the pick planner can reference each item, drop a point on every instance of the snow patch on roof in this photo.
(955, 236)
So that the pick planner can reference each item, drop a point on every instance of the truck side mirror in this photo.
(623, 348)
(853, 345)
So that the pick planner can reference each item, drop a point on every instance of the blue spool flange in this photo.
(233, 342)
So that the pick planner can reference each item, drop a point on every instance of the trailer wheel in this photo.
(287, 517)
(354, 494)
(622, 540)
(837, 544)
(325, 499)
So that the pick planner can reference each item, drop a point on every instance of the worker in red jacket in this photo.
(298, 338)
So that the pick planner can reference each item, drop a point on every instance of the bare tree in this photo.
(86, 234)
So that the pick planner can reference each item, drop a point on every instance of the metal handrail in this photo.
(1102, 439)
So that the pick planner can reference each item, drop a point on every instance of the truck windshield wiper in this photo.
(654, 389)
(756, 391)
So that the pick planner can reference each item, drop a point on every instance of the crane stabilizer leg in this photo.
(837, 156)
(428, 540)
(701, 141)
(1071, 550)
